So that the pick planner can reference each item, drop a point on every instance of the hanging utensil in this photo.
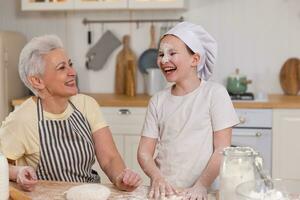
(99, 53)
(125, 75)
(290, 76)
(89, 35)
(148, 58)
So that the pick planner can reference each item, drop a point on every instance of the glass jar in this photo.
(4, 182)
(238, 166)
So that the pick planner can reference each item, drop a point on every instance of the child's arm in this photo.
(221, 140)
(159, 186)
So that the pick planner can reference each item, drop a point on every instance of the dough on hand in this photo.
(88, 192)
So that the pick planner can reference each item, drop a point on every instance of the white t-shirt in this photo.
(184, 127)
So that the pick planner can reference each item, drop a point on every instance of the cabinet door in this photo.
(156, 4)
(47, 4)
(124, 120)
(119, 141)
(286, 148)
(100, 4)
(127, 122)
(131, 146)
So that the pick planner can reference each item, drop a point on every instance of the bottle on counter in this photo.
(4, 178)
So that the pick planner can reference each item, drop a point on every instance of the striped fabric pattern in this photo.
(66, 148)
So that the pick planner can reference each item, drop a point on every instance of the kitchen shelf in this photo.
(51, 5)
(100, 4)
(46, 5)
(156, 4)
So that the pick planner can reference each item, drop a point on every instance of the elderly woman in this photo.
(56, 134)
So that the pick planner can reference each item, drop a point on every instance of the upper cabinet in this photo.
(101, 4)
(47, 4)
(156, 4)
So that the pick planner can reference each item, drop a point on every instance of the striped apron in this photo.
(66, 148)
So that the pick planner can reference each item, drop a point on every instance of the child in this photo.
(188, 123)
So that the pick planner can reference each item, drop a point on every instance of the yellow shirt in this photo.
(19, 136)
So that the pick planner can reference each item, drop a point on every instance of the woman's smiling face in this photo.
(59, 76)
(175, 61)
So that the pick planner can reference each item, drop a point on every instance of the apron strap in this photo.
(73, 106)
(40, 110)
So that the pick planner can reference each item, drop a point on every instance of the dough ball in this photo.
(88, 192)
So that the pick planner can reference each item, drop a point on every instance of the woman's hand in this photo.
(160, 188)
(26, 178)
(197, 192)
(128, 180)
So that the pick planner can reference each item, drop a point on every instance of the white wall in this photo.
(255, 35)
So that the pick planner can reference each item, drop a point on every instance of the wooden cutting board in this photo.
(290, 76)
(52, 190)
(125, 75)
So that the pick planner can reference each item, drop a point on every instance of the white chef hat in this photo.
(199, 41)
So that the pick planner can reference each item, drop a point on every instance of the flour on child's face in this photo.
(165, 49)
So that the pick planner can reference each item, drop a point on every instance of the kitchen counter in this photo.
(275, 101)
(46, 190)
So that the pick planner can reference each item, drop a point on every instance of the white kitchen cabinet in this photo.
(126, 124)
(119, 141)
(156, 4)
(100, 4)
(286, 148)
(47, 4)
(130, 157)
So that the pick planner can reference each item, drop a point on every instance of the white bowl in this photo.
(284, 189)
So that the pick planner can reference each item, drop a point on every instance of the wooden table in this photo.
(50, 190)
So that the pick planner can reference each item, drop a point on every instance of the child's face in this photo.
(175, 61)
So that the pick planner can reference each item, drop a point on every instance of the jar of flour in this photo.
(238, 166)
(4, 182)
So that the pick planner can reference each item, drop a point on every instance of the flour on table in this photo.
(268, 195)
(141, 194)
(135, 197)
(88, 192)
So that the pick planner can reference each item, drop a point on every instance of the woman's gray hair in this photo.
(31, 58)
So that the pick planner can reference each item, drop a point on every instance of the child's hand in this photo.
(128, 180)
(160, 188)
(198, 191)
(26, 178)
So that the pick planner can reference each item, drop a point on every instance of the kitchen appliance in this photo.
(255, 131)
(237, 83)
(247, 96)
(11, 86)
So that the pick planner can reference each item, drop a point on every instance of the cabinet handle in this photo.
(258, 134)
(124, 112)
(242, 119)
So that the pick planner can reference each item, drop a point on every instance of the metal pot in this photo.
(237, 84)
(155, 81)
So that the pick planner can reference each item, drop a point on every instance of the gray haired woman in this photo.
(56, 134)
